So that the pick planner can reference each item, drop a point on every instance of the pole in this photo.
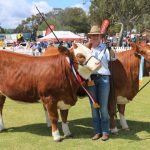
(48, 25)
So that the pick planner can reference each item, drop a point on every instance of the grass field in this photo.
(27, 129)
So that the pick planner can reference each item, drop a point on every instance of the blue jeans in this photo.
(101, 92)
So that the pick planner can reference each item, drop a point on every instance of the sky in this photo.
(12, 12)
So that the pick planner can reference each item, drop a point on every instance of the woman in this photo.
(99, 84)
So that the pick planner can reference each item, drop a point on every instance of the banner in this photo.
(104, 26)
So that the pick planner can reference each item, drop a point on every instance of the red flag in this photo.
(104, 26)
(48, 30)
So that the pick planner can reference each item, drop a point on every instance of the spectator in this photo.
(99, 84)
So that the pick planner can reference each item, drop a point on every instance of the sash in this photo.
(77, 76)
(141, 70)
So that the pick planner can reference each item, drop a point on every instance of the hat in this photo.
(95, 30)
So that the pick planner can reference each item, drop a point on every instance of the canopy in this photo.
(62, 36)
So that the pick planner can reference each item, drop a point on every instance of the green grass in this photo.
(27, 129)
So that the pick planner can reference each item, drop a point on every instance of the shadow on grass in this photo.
(82, 128)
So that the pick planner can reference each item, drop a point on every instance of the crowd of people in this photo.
(39, 46)
(126, 40)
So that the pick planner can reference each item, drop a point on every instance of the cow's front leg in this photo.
(123, 122)
(51, 107)
(2, 101)
(53, 114)
(65, 127)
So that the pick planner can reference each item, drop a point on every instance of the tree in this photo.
(144, 23)
(30, 24)
(2, 30)
(127, 13)
(74, 19)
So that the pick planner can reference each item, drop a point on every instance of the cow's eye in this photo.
(80, 58)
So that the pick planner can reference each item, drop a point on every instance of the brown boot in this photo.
(105, 137)
(96, 136)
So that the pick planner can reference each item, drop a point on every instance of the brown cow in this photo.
(125, 74)
(51, 51)
(49, 78)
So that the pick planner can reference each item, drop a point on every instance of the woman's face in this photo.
(96, 38)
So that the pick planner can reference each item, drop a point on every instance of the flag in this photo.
(104, 26)
(48, 30)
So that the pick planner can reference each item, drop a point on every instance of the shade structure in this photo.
(62, 36)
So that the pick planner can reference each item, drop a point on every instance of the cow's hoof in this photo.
(58, 140)
(3, 130)
(68, 136)
(114, 131)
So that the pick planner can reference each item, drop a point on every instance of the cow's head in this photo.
(87, 64)
(81, 55)
(144, 49)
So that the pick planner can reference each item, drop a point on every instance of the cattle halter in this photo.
(88, 60)
(137, 53)
(72, 60)
(147, 81)
(80, 63)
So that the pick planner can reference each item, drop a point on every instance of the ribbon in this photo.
(77, 76)
(141, 70)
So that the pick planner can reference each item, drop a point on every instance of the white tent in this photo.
(62, 36)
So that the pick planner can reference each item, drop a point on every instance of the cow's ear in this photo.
(133, 45)
(75, 45)
(137, 42)
(63, 50)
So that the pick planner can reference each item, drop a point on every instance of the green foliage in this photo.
(2, 30)
(113, 29)
(6, 31)
(127, 12)
(30, 24)
(43, 25)
(73, 19)
(143, 23)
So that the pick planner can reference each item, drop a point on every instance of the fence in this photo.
(121, 49)
(23, 50)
